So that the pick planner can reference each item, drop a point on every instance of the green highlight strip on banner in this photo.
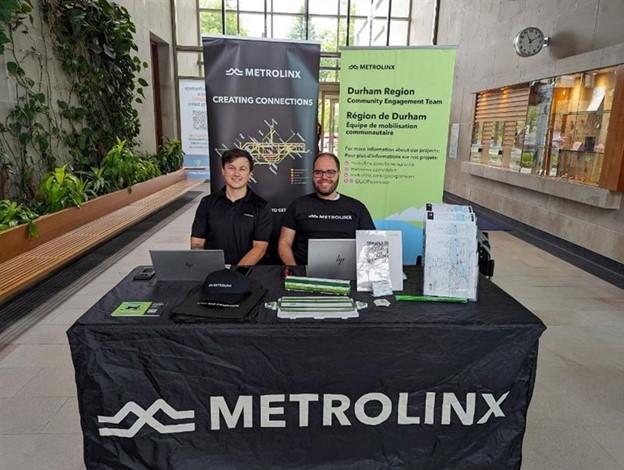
(394, 122)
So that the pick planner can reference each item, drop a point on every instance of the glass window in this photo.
(538, 112)
(495, 148)
(323, 7)
(580, 118)
(210, 4)
(379, 34)
(251, 25)
(287, 6)
(398, 32)
(324, 30)
(288, 27)
(251, 5)
(380, 7)
(564, 133)
(476, 146)
(210, 22)
(326, 21)
(329, 68)
(232, 28)
(516, 148)
(342, 33)
(361, 7)
(361, 31)
(400, 8)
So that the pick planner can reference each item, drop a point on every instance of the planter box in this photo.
(15, 241)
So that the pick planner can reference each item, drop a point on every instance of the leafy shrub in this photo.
(147, 168)
(13, 214)
(119, 166)
(96, 182)
(170, 156)
(61, 189)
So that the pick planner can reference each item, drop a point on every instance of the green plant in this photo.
(95, 181)
(13, 214)
(94, 42)
(10, 11)
(147, 168)
(170, 156)
(119, 166)
(60, 189)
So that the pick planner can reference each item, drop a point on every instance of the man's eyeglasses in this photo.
(321, 173)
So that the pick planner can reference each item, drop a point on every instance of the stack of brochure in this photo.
(318, 285)
(451, 261)
(316, 307)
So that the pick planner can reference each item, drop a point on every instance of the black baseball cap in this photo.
(223, 296)
(224, 288)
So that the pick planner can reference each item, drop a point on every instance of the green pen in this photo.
(430, 298)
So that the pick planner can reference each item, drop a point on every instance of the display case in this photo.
(495, 148)
(476, 146)
(564, 127)
(580, 115)
(498, 130)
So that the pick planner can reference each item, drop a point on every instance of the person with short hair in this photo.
(322, 214)
(234, 219)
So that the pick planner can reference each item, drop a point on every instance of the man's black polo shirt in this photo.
(313, 217)
(232, 226)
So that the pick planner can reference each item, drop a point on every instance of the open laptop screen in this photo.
(332, 258)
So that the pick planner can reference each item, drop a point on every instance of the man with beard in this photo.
(322, 214)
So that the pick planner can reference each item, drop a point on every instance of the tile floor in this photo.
(576, 418)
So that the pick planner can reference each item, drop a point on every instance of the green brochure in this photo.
(132, 309)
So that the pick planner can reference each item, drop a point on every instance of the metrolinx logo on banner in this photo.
(440, 408)
(263, 73)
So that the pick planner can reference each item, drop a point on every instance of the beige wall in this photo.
(153, 20)
(586, 34)
(421, 26)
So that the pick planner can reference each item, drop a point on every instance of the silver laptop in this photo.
(186, 265)
(332, 258)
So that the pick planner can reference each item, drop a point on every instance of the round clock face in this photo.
(529, 42)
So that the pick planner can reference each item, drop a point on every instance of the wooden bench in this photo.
(30, 267)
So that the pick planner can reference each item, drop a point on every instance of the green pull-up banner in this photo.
(394, 119)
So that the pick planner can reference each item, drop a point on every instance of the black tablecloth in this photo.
(414, 385)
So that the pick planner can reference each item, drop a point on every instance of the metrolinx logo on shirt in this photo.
(370, 409)
(330, 216)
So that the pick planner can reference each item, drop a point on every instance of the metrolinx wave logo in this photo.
(147, 417)
(234, 71)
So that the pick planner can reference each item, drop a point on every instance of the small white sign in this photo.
(194, 127)
(453, 141)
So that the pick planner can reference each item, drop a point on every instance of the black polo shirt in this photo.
(232, 226)
(313, 217)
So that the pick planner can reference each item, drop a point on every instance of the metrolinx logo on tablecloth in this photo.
(147, 417)
(440, 408)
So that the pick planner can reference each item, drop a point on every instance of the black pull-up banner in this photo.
(261, 96)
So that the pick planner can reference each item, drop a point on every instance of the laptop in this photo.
(186, 265)
(331, 258)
